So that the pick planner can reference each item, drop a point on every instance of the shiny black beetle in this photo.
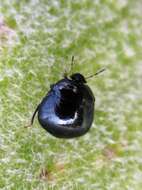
(67, 110)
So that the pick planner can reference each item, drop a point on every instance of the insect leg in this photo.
(33, 116)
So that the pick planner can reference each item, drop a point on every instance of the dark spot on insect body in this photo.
(68, 109)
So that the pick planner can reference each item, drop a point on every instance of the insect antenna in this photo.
(71, 68)
(98, 72)
(72, 63)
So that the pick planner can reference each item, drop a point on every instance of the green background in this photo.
(37, 40)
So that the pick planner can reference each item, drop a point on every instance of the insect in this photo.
(67, 110)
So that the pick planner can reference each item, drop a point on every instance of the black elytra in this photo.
(67, 110)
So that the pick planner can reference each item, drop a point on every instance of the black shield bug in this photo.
(67, 110)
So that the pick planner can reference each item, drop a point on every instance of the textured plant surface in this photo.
(37, 40)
